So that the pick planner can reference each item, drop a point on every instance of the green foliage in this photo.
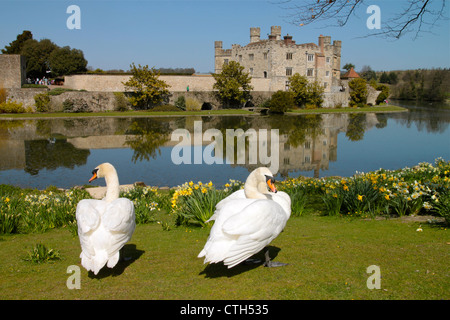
(11, 107)
(41, 254)
(358, 93)
(64, 61)
(148, 89)
(306, 93)
(42, 102)
(281, 101)
(15, 47)
(348, 66)
(233, 85)
(383, 95)
(181, 103)
(195, 203)
(192, 104)
(37, 55)
(120, 101)
(147, 202)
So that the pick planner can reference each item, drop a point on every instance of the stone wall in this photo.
(12, 70)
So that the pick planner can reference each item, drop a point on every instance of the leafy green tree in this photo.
(37, 55)
(304, 92)
(15, 47)
(298, 85)
(281, 101)
(384, 94)
(359, 92)
(384, 78)
(233, 84)
(65, 61)
(348, 66)
(148, 89)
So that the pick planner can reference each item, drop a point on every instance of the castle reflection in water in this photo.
(306, 142)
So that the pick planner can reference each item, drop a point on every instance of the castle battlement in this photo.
(277, 58)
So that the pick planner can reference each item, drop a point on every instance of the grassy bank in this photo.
(338, 228)
(190, 113)
(328, 258)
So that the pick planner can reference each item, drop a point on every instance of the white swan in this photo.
(247, 221)
(104, 226)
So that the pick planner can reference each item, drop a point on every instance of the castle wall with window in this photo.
(277, 59)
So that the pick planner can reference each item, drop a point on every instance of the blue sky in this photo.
(181, 33)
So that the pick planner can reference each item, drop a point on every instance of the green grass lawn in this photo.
(327, 256)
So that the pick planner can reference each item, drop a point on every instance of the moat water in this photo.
(63, 152)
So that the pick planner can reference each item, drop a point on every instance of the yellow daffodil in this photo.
(360, 197)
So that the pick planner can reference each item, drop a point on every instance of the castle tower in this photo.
(275, 32)
(255, 34)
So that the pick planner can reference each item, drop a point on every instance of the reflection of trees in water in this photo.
(356, 126)
(432, 117)
(52, 154)
(148, 135)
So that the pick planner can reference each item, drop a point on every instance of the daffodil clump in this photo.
(423, 189)
(194, 203)
(38, 211)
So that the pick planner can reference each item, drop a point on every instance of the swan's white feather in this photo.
(103, 229)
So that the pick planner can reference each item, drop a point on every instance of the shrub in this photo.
(41, 254)
(384, 94)
(75, 105)
(358, 93)
(42, 102)
(193, 104)
(281, 101)
(121, 101)
(181, 103)
(11, 107)
(165, 108)
(196, 203)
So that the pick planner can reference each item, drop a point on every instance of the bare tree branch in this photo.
(414, 17)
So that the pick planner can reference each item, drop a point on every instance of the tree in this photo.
(281, 101)
(414, 16)
(367, 73)
(67, 61)
(304, 92)
(348, 66)
(359, 92)
(37, 55)
(148, 89)
(233, 84)
(384, 78)
(15, 47)
(298, 85)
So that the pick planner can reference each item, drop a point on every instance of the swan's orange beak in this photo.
(271, 185)
(94, 176)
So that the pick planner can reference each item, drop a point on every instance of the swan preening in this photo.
(247, 221)
(104, 226)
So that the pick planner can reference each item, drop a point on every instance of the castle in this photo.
(277, 59)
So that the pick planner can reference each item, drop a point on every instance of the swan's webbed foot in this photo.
(271, 264)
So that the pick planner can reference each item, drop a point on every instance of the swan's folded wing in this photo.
(88, 215)
(260, 220)
(119, 216)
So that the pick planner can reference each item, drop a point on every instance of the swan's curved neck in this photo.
(112, 186)
(254, 189)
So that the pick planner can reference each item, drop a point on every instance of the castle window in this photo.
(240, 58)
(289, 71)
(310, 72)
(328, 59)
(265, 74)
(327, 73)
(289, 56)
(251, 56)
(310, 57)
(265, 55)
(251, 71)
(325, 85)
(225, 62)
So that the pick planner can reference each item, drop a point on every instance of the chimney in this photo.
(288, 39)
(255, 34)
